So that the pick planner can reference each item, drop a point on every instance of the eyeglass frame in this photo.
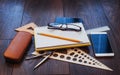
(54, 26)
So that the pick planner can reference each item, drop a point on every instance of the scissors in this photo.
(47, 54)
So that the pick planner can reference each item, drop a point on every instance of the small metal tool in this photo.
(33, 57)
(50, 53)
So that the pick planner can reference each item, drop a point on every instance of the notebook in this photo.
(64, 20)
(49, 43)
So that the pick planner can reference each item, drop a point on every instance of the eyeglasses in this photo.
(64, 27)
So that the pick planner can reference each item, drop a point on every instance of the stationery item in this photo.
(18, 45)
(77, 56)
(65, 20)
(49, 43)
(101, 44)
(27, 28)
(59, 37)
(99, 29)
(46, 57)
(39, 55)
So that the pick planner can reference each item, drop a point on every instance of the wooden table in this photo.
(95, 13)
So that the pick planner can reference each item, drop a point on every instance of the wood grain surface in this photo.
(95, 13)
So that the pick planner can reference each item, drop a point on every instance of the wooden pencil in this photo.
(59, 37)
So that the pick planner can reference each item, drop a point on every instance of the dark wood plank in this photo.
(42, 12)
(5, 68)
(90, 11)
(10, 17)
(112, 10)
(53, 67)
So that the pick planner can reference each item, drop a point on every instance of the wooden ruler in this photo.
(78, 56)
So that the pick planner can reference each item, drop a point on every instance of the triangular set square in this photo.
(27, 28)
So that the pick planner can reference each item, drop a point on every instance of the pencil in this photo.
(59, 37)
